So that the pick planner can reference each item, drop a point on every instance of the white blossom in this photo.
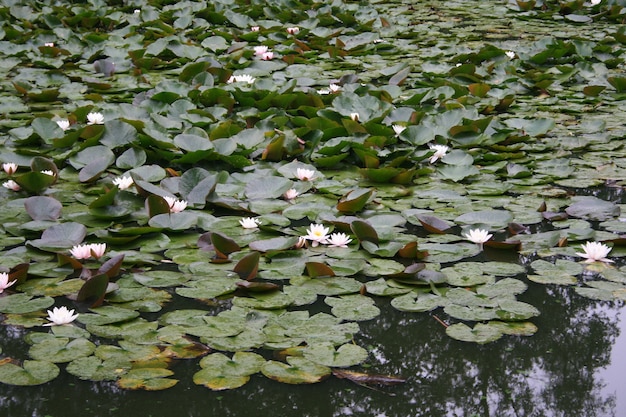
(304, 174)
(59, 316)
(95, 118)
(9, 167)
(64, 124)
(440, 152)
(290, 194)
(11, 185)
(338, 240)
(243, 78)
(176, 206)
(317, 234)
(249, 223)
(123, 182)
(595, 251)
(4, 281)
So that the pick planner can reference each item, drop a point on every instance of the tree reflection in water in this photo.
(553, 373)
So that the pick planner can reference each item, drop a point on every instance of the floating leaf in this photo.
(30, 373)
(342, 357)
(481, 333)
(296, 371)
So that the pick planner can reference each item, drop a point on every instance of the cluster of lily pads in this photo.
(266, 162)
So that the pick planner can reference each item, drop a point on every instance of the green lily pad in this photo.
(481, 333)
(220, 372)
(30, 373)
(295, 371)
(61, 349)
(149, 379)
(342, 357)
(92, 368)
(353, 307)
(24, 303)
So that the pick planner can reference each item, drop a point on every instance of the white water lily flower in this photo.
(64, 124)
(440, 152)
(595, 2)
(338, 240)
(50, 44)
(290, 194)
(510, 54)
(255, 28)
(355, 116)
(479, 236)
(334, 88)
(4, 281)
(11, 185)
(304, 174)
(293, 30)
(249, 223)
(97, 249)
(595, 252)
(123, 182)
(301, 242)
(95, 118)
(86, 251)
(398, 128)
(243, 78)
(9, 167)
(317, 234)
(267, 56)
(47, 172)
(176, 206)
(60, 316)
(260, 50)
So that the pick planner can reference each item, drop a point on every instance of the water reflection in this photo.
(553, 373)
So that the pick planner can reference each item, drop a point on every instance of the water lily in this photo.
(595, 252)
(398, 129)
(249, 223)
(595, 2)
(9, 167)
(293, 30)
(243, 78)
(60, 316)
(95, 118)
(478, 236)
(255, 28)
(87, 250)
(47, 172)
(176, 206)
(64, 124)
(267, 56)
(301, 242)
(338, 240)
(317, 234)
(123, 182)
(510, 54)
(304, 174)
(11, 185)
(50, 44)
(290, 194)
(440, 152)
(4, 281)
(355, 116)
(332, 89)
(260, 50)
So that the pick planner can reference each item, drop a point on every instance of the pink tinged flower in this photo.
(176, 206)
(260, 50)
(398, 129)
(267, 56)
(81, 251)
(50, 44)
(97, 249)
(478, 236)
(4, 281)
(595, 252)
(301, 242)
(355, 116)
(440, 152)
(338, 240)
(293, 30)
(64, 124)
(304, 174)
(290, 194)
(254, 28)
(249, 223)
(11, 185)
(9, 167)
(59, 316)
(95, 118)
(317, 234)
(123, 182)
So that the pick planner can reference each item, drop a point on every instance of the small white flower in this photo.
(176, 206)
(11, 185)
(60, 316)
(510, 54)
(338, 240)
(249, 223)
(244, 78)
(64, 124)
(260, 50)
(378, 41)
(50, 44)
(479, 236)
(304, 174)
(595, 2)
(123, 182)
(595, 251)
(4, 281)
(47, 172)
(355, 116)
(136, 11)
(301, 242)
(293, 30)
(95, 118)
(440, 152)
(398, 128)
(97, 249)
(290, 194)
(317, 234)
(267, 56)
(334, 88)
(9, 167)
(254, 28)
(86, 251)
